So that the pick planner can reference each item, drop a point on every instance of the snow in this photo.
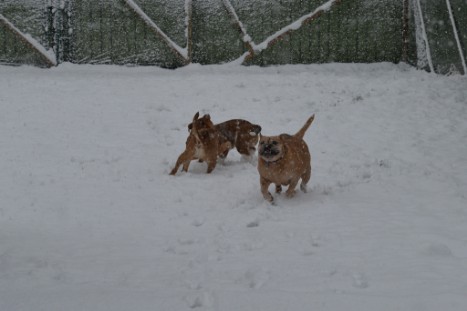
(91, 220)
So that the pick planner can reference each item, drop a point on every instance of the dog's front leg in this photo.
(265, 189)
(278, 188)
(291, 190)
(211, 165)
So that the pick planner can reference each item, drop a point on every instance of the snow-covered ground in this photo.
(91, 220)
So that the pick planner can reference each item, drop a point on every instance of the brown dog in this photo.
(283, 160)
(201, 144)
(236, 133)
(239, 134)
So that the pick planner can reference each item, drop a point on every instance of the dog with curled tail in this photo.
(283, 160)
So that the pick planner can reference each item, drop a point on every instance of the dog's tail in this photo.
(305, 127)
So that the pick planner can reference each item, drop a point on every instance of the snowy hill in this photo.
(91, 220)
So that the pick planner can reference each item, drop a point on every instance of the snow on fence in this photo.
(280, 32)
(21, 31)
(46, 55)
(441, 35)
(430, 34)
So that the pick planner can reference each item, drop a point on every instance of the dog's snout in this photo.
(267, 147)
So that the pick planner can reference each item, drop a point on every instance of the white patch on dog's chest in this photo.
(199, 152)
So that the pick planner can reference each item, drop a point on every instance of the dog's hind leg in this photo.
(186, 164)
(174, 170)
(224, 149)
(305, 178)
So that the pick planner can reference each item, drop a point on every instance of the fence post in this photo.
(57, 30)
(64, 30)
(50, 28)
(189, 29)
(405, 31)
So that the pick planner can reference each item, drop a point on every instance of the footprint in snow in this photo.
(253, 224)
(255, 278)
(360, 280)
(198, 222)
(203, 300)
(436, 250)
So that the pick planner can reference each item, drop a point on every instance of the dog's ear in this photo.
(207, 116)
(195, 117)
(255, 130)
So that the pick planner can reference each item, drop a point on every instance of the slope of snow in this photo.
(91, 220)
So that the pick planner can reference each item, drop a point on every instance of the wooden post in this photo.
(189, 29)
(405, 31)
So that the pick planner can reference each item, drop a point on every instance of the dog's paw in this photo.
(290, 193)
(268, 197)
(278, 188)
(303, 187)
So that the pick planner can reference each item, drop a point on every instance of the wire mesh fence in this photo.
(171, 33)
